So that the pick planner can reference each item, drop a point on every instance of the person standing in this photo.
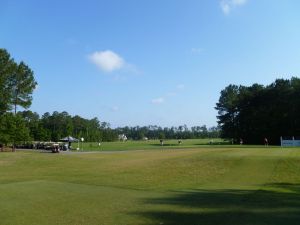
(161, 142)
(266, 142)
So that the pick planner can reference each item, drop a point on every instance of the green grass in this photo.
(150, 144)
(204, 185)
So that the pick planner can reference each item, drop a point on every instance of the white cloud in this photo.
(228, 5)
(107, 61)
(158, 100)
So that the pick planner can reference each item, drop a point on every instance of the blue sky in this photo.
(134, 62)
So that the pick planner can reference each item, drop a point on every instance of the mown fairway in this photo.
(151, 144)
(205, 186)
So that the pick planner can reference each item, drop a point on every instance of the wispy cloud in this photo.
(159, 100)
(107, 61)
(196, 50)
(168, 95)
(228, 5)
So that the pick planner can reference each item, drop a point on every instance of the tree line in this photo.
(55, 126)
(157, 132)
(255, 112)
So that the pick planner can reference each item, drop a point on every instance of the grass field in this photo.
(204, 186)
(151, 144)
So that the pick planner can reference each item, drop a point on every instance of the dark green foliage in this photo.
(16, 86)
(22, 85)
(16, 83)
(59, 125)
(180, 132)
(35, 126)
(6, 71)
(258, 111)
(13, 129)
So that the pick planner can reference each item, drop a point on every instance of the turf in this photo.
(150, 144)
(206, 186)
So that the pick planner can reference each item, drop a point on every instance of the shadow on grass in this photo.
(229, 207)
